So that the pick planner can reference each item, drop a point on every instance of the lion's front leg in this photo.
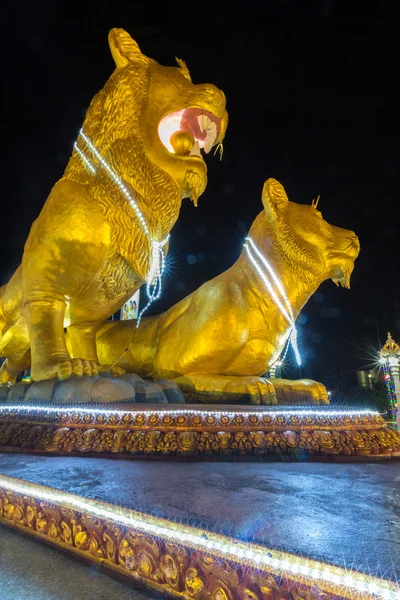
(300, 392)
(227, 389)
(50, 357)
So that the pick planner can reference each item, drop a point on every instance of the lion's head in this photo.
(302, 241)
(151, 122)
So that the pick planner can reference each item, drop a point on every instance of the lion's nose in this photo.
(355, 243)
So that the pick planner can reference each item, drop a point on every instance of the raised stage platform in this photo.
(217, 530)
(196, 431)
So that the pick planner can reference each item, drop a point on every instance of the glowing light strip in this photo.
(119, 182)
(391, 393)
(289, 315)
(273, 275)
(85, 160)
(230, 548)
(153, 281)
(203, 413)
(268, 285)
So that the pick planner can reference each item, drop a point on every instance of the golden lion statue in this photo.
(219, 341)
(104, 228)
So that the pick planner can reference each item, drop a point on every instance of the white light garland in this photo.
(203, 413)
(153, 280)
(287, 312)
(230, 548)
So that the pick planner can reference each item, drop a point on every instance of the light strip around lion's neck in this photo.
(153, 280)
(111, 173)
(278, 295)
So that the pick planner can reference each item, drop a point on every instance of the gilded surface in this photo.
(153, 432)
(179, 569)
(219, 341)
(88, 251)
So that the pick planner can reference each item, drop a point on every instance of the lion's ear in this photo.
(274, 197)
(123, 48)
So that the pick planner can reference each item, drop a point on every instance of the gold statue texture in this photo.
(219, 341)
(103, 231)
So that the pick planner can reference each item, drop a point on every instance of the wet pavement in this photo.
(31, 570)
(342, 513)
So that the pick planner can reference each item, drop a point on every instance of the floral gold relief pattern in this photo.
(149, 553)
(191, 432)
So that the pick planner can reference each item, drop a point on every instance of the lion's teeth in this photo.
(204, 122)
(195, 151)
(210, 137)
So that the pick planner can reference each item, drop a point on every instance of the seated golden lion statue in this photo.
(104, 228)
(219, 341)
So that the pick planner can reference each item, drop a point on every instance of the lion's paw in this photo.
(112, 369)
(300, 392)
(259, 389)
(63, 369)
(318, 392)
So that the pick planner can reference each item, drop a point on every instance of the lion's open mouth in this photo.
(341, 275)
(184, 132)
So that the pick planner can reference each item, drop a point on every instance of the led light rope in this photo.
(231, 548)
(153, 280)
(328, 412)
(391, 393)
(287, 312)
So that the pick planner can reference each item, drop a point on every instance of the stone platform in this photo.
(222, 530)
(150, 430)
(102, 389)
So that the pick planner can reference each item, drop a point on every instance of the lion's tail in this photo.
(2, 290)
(2, 316)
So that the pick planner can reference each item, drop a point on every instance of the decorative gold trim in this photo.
(179, 560)
(193, 432)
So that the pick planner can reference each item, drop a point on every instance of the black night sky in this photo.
(310, 88)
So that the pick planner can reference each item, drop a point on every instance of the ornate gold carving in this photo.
(179, 570)
(191, 433)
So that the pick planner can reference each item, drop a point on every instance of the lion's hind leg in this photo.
(10, 369)
(81, 342)
(14, 346)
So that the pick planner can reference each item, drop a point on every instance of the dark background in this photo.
(311, 97)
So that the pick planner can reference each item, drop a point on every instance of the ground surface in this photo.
(347, 514)
(30, 570)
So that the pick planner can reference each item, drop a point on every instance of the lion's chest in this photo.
(117, 279)
(113, 285)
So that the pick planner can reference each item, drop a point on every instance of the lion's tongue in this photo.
(190, 123)
(200, 126)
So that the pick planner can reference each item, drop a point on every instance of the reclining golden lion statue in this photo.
(219, 341)
(104, 228)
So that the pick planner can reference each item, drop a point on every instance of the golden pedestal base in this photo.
(148, 430)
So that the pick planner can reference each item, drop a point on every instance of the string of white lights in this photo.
(154, 277)
(287, 312)
(230, 548)
(297, 412)
(153, 292)
(273, 275)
